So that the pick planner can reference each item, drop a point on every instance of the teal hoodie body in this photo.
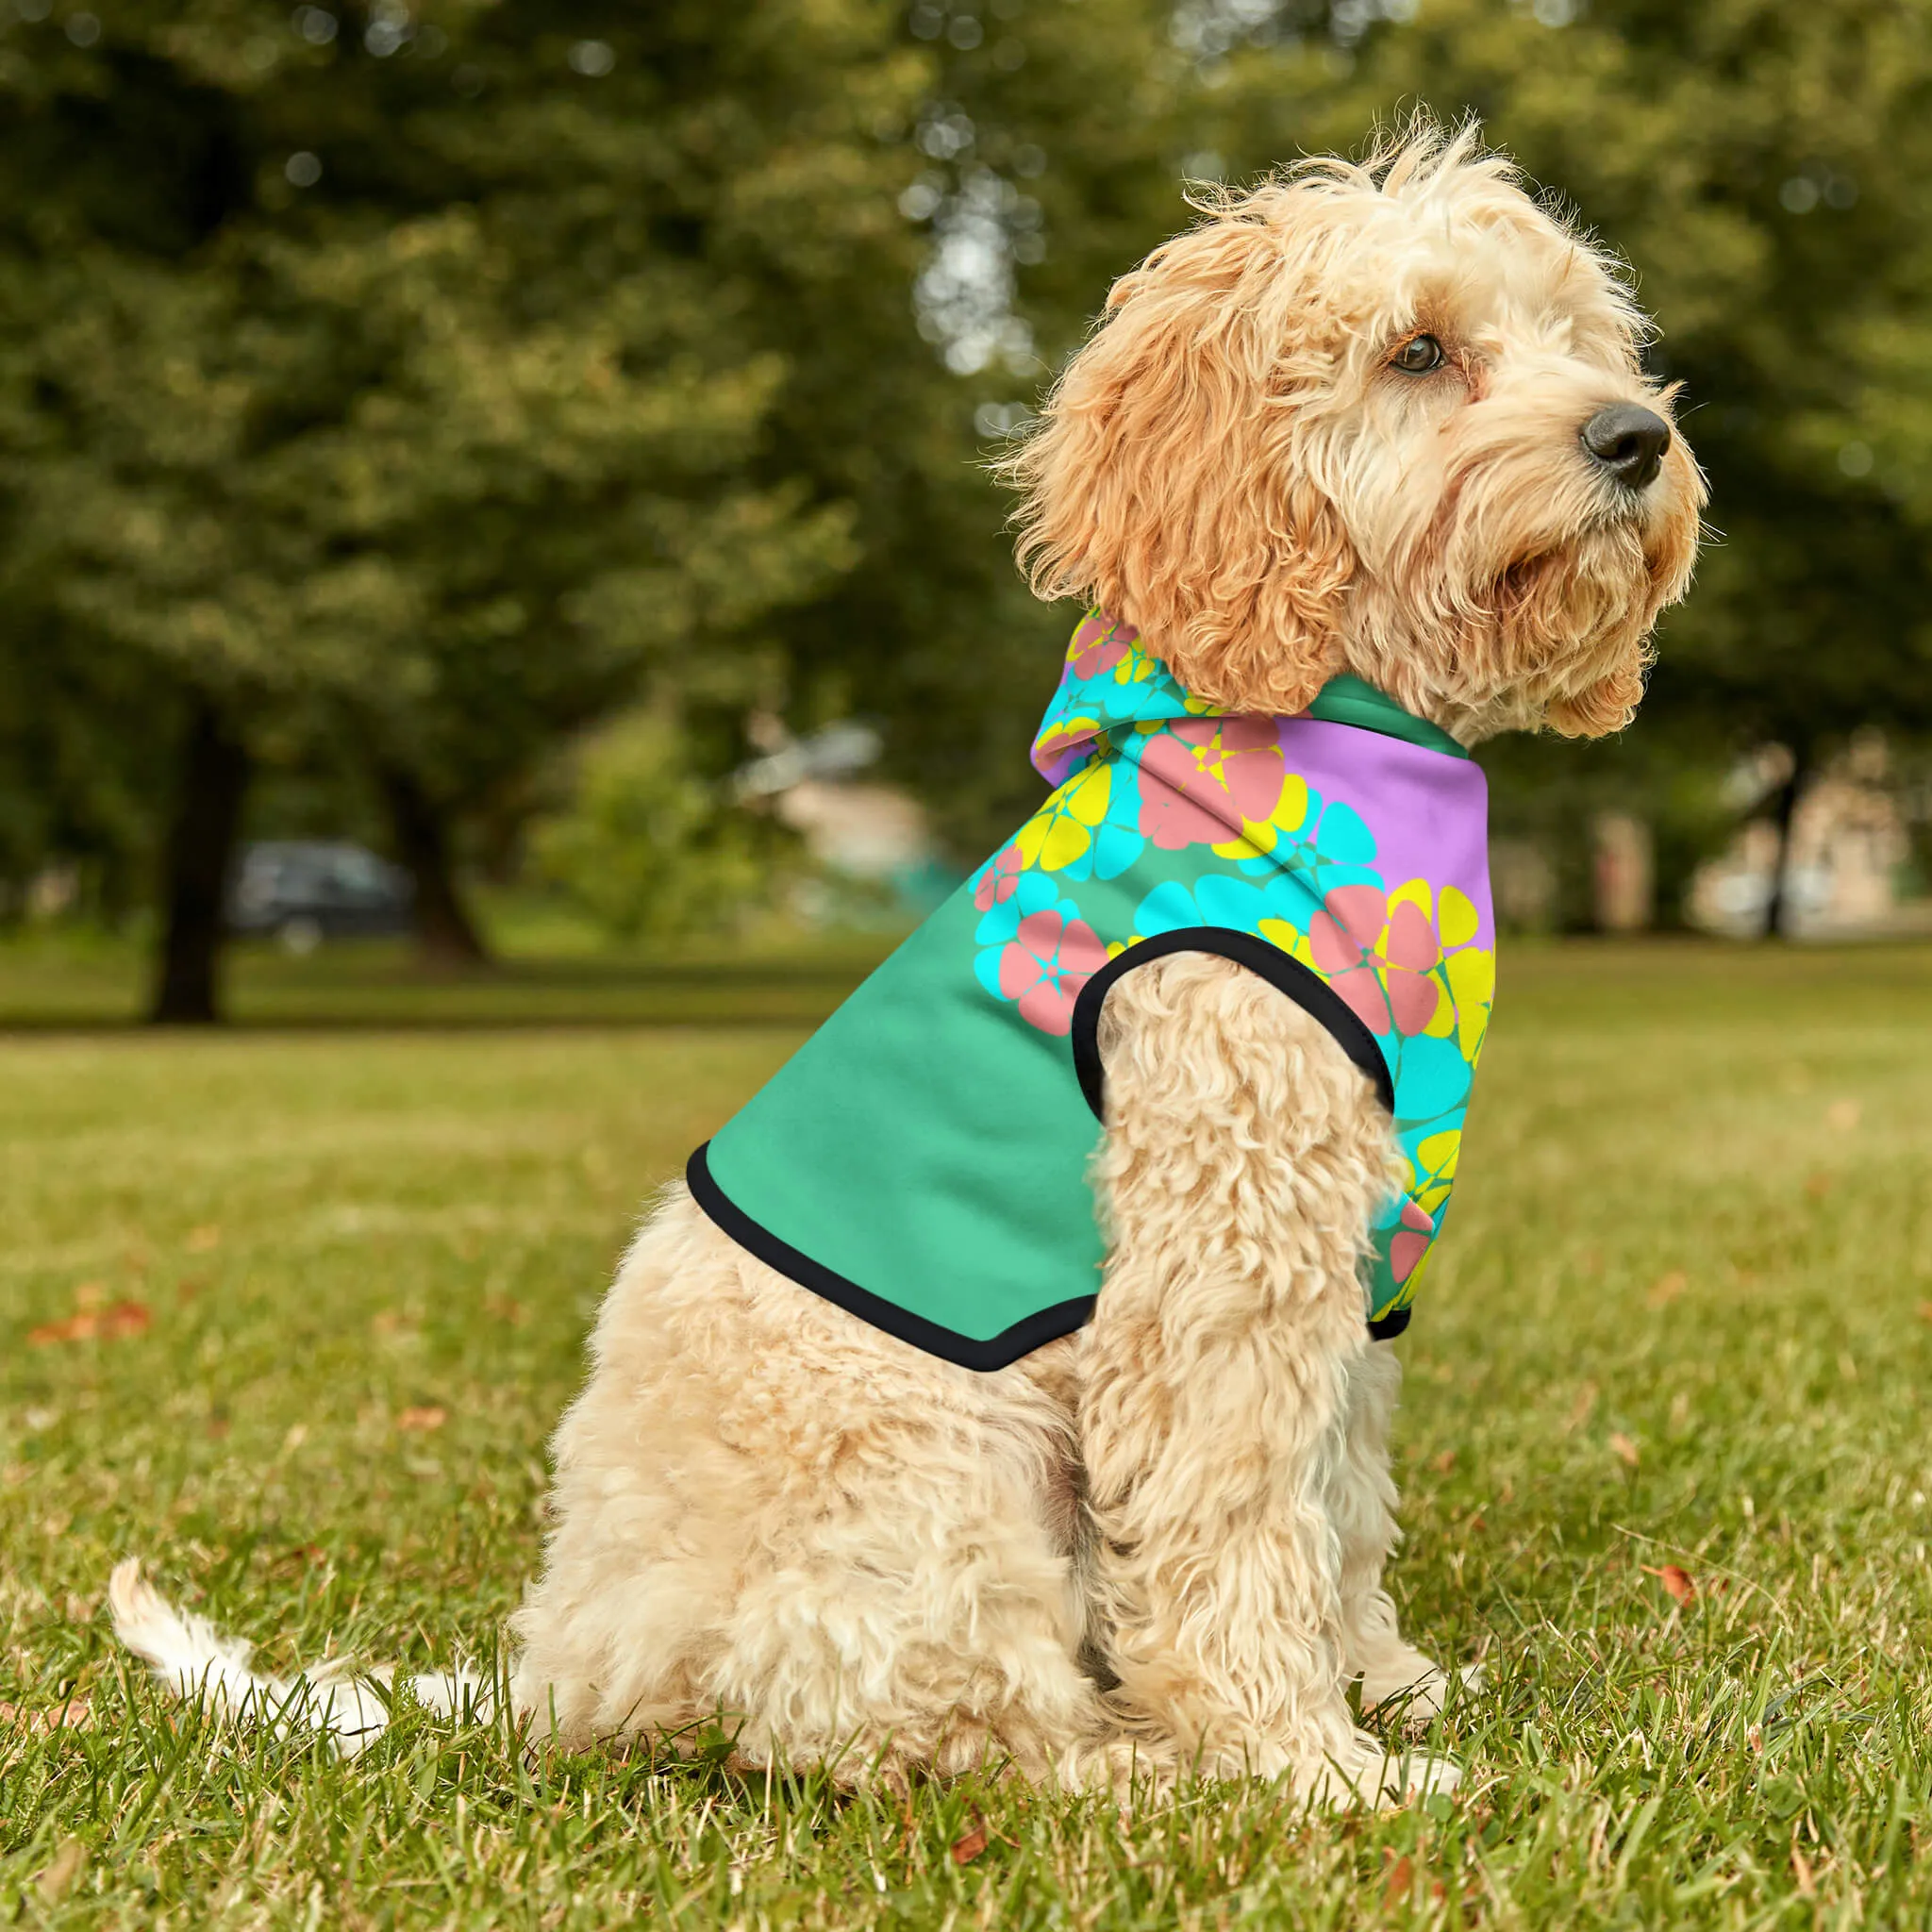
(923, 1159)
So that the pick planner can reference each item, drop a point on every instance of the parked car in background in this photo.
(305, 891)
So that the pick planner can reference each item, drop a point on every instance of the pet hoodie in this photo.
(923, 1159)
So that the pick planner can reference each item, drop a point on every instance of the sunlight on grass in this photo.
(1680, 1319)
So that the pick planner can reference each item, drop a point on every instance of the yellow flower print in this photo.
(1472, 987)
(1062, 830)
(1432, 1169)
(1292, 941)
(1458, 919)
(1285, 820)
(1066, 734)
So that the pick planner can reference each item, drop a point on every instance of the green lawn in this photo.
(1681, 1318)
(63, 981)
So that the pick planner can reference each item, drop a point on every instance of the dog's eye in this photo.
(1418, 356)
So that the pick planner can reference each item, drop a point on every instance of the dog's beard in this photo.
(1506, 584)
(1553, 630)
(1571, 626)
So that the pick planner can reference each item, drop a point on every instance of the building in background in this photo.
(872, 842)
(1848, 870)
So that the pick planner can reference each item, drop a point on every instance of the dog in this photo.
(1377, 427)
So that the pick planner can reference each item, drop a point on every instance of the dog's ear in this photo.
(1167, 482)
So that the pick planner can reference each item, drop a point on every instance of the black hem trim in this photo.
(1286, 974)
(998, 1352)
(1389, 1325)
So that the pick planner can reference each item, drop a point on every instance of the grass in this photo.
(1680, 1319)
(62, 980)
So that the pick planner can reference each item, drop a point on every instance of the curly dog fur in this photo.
(1155, 1547)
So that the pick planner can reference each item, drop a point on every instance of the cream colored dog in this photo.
(1363, 419)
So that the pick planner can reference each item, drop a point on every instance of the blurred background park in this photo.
(493, 513)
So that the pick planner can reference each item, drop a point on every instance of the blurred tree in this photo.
(1047, 147)
(383, 380)
(77, 762)
(648, 846)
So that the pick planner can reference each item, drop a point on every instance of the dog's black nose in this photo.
(1629, 442)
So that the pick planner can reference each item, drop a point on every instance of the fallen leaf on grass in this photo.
(1678, 1584)
(74, 1328)
(1625, 1449)
(104, 1325)
(968, 1848)
(74, 1715)
(1401, 1881)
(53, 1883)
(1669, 1288)
(1817, 1186)
(202, 1239)
(1443, 1463)
(428, 1417)
(506, 1307)
(1842, 1116)
(1926, 1311)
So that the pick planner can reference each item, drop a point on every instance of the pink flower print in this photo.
(1341, 937)
(1047, 964)
(1348, 927)
(1000, 879)
(1410, 1242)
(1213, 775)
(1099, 643)
(1409, 948)
(1379, 961)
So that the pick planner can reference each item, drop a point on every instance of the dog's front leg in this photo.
(1244, 1158)
(1362, 1502)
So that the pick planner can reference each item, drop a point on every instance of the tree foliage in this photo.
(650, 848)
(409, 388)
(403, 392)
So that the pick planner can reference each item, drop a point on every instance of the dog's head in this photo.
(1387, 419)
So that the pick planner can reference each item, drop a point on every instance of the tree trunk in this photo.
(1777, 905)
(446, 935)
(199, 853)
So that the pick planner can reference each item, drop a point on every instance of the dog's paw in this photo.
(1367, 1772)
(1414, 1691)
(1418, 1775)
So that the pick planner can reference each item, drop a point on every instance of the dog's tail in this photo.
(195, 1661)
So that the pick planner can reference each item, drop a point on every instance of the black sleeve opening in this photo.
(1287, 975)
